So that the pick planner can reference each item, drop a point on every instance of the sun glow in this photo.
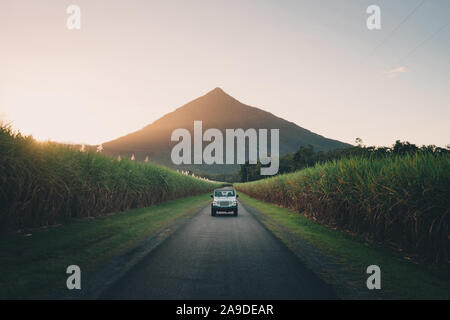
(56, 119)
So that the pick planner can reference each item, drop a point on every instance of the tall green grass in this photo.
(401, 201)
(45, 183)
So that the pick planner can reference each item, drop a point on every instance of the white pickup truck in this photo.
(225, 200)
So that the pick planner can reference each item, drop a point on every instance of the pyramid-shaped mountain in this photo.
(218, 110)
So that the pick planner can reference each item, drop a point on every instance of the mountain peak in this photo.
(216, 109)
(217, 96)
(217, 91)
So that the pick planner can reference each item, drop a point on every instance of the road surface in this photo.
(222, 257)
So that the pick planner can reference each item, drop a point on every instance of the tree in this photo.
(304, 157)
(403, 148)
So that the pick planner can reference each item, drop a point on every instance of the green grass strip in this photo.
(403, 279)
(33, 263)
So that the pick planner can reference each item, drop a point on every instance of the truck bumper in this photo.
(224, 209)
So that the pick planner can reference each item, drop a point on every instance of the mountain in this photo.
(218, 110)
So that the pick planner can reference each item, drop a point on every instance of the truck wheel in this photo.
(235, 212)
(213, 212)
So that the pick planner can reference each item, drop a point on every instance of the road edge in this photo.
(346, 283)
(95, 283)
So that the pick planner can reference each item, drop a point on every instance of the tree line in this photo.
(306, 156)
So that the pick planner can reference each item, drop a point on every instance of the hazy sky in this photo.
(310, 62)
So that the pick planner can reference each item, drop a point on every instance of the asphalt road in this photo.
(222, 257)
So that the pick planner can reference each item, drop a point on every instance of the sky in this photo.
(311, 62)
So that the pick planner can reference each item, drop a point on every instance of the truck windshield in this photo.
(224, 193)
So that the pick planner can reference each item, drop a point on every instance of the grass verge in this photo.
(402, 279)
(397, 200)
(35, 262)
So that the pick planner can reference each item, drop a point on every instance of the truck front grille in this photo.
(224, 203)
